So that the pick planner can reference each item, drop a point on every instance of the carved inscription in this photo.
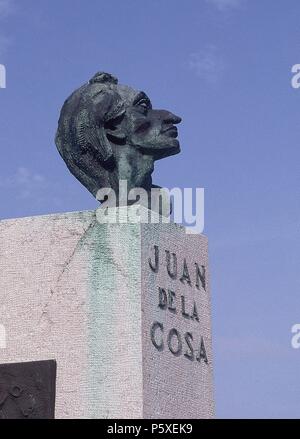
(186, 343)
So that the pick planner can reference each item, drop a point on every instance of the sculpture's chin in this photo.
(162, 151)
(172, 149)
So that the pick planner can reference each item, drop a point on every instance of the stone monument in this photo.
(110, 320)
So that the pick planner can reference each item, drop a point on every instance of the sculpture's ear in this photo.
(109, 111)
(92, 137)
(113, 130)
(98, 123)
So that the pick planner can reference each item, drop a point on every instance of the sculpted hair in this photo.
(83, 130)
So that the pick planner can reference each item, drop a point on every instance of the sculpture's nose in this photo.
(169, 117)
(176, 119)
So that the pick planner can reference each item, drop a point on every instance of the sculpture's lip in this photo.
(172, 131)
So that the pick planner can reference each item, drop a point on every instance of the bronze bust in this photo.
(109, 132)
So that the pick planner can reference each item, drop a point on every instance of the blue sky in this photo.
(225, 67)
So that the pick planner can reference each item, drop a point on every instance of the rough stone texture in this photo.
(84, 294)
(175, 386)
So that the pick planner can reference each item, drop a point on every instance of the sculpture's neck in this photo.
(134, 167)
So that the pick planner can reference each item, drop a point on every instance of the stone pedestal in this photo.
(124, 309)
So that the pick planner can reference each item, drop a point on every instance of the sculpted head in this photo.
(109, 132)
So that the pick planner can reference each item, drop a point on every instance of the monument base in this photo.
(124, 309)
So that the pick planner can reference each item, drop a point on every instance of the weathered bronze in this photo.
(109, 132)
(27, 390)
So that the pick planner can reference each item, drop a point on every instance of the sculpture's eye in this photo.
(144, 103)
